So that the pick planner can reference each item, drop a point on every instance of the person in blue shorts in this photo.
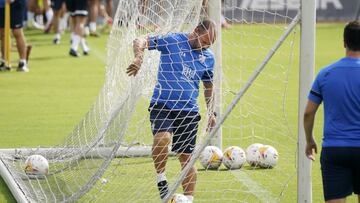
(185, 60)
(17, 14)
(58, 7)
(338, 87)
(78, 12)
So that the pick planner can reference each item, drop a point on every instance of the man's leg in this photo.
(109, 7)
(21, 47)
(160, 150)
(341, 200)
(160, 154)
(94, 11)
(55, 23)
(2, 62)
(2, 35)
(49, 13)
(20, 42)
(189, 182)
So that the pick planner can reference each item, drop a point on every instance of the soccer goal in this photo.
(260, 94)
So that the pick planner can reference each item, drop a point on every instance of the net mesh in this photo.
(84, 167)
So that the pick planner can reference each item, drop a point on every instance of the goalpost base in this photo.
(99, 152)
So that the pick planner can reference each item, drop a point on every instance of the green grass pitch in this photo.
(41, 107)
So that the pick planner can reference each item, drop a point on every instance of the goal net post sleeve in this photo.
(306, 76)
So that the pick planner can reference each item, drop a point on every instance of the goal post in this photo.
(215, 15)
(306, 76)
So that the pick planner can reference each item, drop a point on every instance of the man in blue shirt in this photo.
(338, 86)
(185, 61)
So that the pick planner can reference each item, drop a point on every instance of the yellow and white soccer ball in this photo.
(252, 155)
(211, 157)
(36, 165)
(268, 156)
(179, 198)
(234, 157)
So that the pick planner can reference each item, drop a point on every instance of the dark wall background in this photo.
(327, 10)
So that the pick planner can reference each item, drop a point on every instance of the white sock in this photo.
(39, 19)
(23, 61)
(190, 197)
(160, 177)
(58, 36)
(92, 26)
(63, 21)
(75, 42)
(30, 16)
(84, 45)
(49, 15)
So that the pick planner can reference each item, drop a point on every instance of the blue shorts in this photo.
(340, 168)
(57, 4)
(77, 7)
(17, 14)
(182, 124)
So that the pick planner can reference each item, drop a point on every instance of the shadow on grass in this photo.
(47, 58)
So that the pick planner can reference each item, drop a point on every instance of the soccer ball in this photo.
(234, 157)
(252, 155)
(36, 165)
(179, 198)
(268, 156)
(211, 157)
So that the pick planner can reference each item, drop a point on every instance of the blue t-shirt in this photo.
(180, 71)
(338, 85)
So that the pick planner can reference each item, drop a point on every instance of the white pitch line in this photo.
(254, 188)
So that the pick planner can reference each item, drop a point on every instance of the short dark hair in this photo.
(352, 36)
(205, 25)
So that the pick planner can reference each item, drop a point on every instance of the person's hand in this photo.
(139, 46)
(211, 122)
(134, 67)
(310, 148)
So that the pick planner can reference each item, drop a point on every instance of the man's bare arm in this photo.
(309, 117)
(209, 98)
(139, 46)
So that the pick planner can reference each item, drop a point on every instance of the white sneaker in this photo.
(22, 67)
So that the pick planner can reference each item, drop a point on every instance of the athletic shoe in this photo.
(37, 25)
(73, 53)
(86, 53)
(3, 67)
(163, 188)
(56, 41)
(94, 34)
(22, 67)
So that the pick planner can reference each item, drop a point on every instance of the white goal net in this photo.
(107, 157)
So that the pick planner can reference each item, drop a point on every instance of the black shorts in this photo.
(57, 4)
(340, 168)
(182, 124)
(77, 7)
(17, 14)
